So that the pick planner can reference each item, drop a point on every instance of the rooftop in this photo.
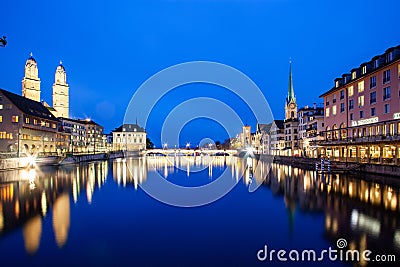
(28, 106)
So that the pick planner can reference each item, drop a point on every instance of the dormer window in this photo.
(376, 63)
(354, 75)
(337, 83)
(364, 69)
(389, 57)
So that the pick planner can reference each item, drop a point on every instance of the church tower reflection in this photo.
(32, 232)
(25, 200)
(61, 219)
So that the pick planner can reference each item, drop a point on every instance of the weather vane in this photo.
(3, 41)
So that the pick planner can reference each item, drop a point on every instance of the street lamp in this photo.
(187, 145)
(165, 145)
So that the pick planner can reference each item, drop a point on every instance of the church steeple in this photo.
(61, 93)
(290, 105)
(31, 81)
(290, 96)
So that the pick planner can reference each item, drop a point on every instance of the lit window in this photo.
(354, 75)
(1, 106)
(361, 101)
(391, 129)
(27, 120)
(334, 110)
(361, 86)
(386, 108)
(398, 70)
(350, 90)
(14, 118)
(327, 112)
(364, 69)
(1, 118)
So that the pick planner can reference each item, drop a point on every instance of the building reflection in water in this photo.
(27, 196)
(133, 171)
(362, 209)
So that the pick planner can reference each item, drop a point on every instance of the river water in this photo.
(97, 214)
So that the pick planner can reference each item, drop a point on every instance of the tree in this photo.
(3, 41)
(149, 144)
(218, 144)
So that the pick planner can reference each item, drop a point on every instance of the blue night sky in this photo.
(109, 48)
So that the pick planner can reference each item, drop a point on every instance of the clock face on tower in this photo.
(291, 105)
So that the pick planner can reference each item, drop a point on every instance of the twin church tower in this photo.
(31, 87)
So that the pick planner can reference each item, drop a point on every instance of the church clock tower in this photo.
(61, 93)
(290, 105)
(31, 81)
(291, 122)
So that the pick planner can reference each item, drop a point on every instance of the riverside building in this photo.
(362, 112)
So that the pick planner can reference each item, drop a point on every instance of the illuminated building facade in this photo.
(31, 81)
(95, 139)
(362, 112)
(26, 126)
(311, 123)
(277, 138)
(129, 137)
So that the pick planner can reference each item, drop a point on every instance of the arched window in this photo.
(335, 132)
(343, 131)
(328, 133)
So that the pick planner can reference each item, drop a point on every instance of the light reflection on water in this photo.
(363, 211)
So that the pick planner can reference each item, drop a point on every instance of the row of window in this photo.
(42, 123)
(372, 100)
(360, 86)
(386, 110)
(385, 129)
(129, 134)
(130, 140)
(5, 135)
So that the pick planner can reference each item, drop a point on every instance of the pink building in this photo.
(362, 112)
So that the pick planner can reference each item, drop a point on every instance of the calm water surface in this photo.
(97, 214)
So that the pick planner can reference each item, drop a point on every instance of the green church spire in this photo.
(290, 96)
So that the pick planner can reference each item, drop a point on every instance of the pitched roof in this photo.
(264, 127)
(279, 124)
(130, 128)
(28, 106)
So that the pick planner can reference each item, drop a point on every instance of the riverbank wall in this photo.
(23, 162)
(339, 166)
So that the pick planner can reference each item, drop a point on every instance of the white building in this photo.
(277, 138)
(129, 137)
